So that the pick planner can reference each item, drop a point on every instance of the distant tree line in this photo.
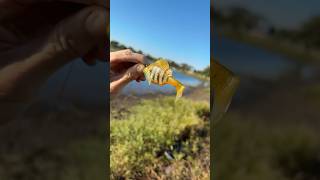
(241, 19)
(204, 72)
(237, 18)
(182, 67)
(308, 33)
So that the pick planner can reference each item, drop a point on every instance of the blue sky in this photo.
(175, 29)
(282, 13)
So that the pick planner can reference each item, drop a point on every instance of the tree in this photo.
(310, 32)
(114, 43)
(173, 64)
(216, 16)
(185, 67)
(241, 18)
(206, 71)
(148, 56)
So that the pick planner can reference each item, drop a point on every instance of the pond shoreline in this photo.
(122, 102)
(298, 53)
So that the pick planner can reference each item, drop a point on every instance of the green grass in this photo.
(153, 126)
(312, 94)
(86, 160)
(83, 159)
(252, 149)
(57, 155)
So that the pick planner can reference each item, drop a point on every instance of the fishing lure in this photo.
(160, 73)
(224, 84)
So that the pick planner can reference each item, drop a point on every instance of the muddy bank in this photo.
(120, 101)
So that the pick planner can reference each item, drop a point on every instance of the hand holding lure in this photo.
(160, 73)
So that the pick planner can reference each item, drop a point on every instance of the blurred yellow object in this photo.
(224, 84)
(161, 74)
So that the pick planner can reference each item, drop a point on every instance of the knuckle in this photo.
(69, 35)
(96, 22)
(62, 42)
(127, 52)
(96, 12)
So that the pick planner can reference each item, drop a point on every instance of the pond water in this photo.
(85, 83)
(144, 88)
(89, 84)
(249, 60)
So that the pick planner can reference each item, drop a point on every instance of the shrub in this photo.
(151, 126)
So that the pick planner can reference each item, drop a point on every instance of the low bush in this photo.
(152, 127)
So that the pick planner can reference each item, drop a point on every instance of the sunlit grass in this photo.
(154, 126)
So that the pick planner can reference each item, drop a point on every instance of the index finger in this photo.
(126, 56)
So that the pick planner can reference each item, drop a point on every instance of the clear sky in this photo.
(282, 13)
(175, 29)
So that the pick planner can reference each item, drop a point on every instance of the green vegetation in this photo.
(86, 160)
(141, 138)
(250, 148)
(274, 137)
(237, 18)
(205, 71)
(83, 157)
(309, 33)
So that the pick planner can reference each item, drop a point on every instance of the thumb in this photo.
(36, 61)
(135, 72)
(79, 34)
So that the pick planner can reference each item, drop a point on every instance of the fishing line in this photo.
(64, 83)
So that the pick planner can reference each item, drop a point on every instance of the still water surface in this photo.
(249, 60)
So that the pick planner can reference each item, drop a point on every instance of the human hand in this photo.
(37, 37)
(125, 66)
